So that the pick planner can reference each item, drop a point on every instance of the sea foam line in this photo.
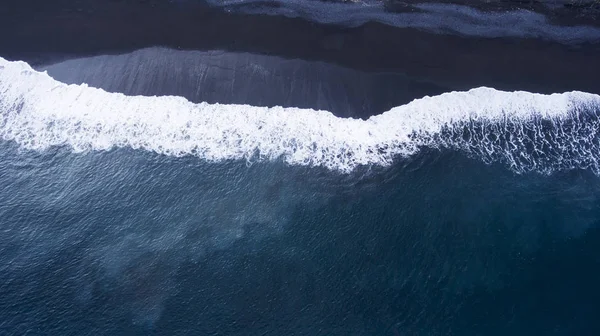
(441, 18)
(527, 131)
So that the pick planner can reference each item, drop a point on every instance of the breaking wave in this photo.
(526, 131)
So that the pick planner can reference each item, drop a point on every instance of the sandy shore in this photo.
(48, 33)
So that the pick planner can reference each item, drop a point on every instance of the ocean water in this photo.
(441, 18)
(467, 213)
(223, 192)
(131, 242)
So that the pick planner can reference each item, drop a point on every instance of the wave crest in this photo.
(527, 131)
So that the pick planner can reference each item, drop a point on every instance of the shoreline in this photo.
(561, 12)
(243, 78)
(456, 62)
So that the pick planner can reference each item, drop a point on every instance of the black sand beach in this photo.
(138, 212)
(244, 78)
(59, 31)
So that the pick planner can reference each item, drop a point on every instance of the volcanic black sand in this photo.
(41, 33)
(466, 214)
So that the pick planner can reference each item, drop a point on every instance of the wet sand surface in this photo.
(372, 60)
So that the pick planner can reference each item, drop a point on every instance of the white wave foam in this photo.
(37, 112)
(436, 17)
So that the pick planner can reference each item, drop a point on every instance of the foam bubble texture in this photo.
(527, 131)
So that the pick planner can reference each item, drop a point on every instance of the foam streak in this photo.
(435, 17)
(527, 131)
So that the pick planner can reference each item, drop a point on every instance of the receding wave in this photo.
(435, 17)
(526, 131)
(244, 78)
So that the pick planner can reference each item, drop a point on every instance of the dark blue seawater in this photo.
(471, 213)
(127, 242)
